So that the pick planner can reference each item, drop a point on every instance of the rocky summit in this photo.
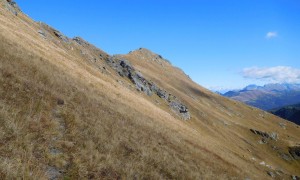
(69, 110)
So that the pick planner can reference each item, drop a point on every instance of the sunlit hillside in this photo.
(68, 110)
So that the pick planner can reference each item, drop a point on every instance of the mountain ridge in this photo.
(65, 112)
(267, 97)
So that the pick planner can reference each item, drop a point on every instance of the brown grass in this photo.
(104, 130)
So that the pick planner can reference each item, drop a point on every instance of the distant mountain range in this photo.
(267, 97)
(291, 113)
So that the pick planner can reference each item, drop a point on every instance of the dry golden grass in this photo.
(105, 130)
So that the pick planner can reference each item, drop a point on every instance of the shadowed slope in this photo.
(291, 113)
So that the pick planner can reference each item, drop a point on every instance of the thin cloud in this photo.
(278, 74)
(221, 89)
(271, 35)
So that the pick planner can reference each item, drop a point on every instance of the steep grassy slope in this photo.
(65, 113)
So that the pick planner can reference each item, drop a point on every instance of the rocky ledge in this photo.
(125, 69)
(295, 152)
(265, 136)
(13, 7)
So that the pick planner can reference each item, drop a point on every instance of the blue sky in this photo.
(220, 44)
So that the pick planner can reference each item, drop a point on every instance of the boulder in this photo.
(181, 109)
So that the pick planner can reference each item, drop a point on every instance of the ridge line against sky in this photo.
(212, 41)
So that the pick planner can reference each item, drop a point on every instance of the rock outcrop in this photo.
(265, 136)
(48, 32)
(295, 152)
(13, 7)
(262, 134)
(42, 34)
(124, 68)
(61, 36)
(81, 41)
(177, 106)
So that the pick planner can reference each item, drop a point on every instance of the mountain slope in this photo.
(267, 97)
(70, 110)
(291, 113)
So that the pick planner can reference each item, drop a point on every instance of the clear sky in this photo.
(220, 44)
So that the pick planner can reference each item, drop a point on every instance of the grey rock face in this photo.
(124, 68)
(162, 94)
(141, 83)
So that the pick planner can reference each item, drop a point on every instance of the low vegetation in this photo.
(65, 114)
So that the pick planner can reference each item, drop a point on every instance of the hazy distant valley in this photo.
(271, 97)
(267, 97)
